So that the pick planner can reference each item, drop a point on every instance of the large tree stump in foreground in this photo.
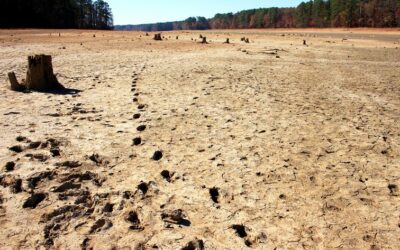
(40, 74)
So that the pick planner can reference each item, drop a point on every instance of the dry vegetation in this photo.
(175, 144)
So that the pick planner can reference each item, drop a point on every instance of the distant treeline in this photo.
(316, 13)
(84, 14)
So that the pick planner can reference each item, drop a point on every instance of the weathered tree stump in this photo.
(158, 37)
(247, 40)
(227, 41)
(201, 36)
(204, 40)
(15, 86)
(40, 74)
(243, 39)
(304, 42)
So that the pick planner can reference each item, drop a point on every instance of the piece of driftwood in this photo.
(15, 86)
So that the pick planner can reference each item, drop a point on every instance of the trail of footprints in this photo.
(177, 217)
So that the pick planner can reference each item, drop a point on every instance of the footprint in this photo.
(166, 175)
(175, 217)
(16, 148)
(66, 186)
(141, 128)
(240, 230)
(157, 155)
(34, 200)
(214, 193)
(133, 218)
(194, 245)
(137, 141)
(100, 225)
(9, 166)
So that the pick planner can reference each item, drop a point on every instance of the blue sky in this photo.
(151, 11)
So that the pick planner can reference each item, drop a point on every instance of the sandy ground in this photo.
(266, 145)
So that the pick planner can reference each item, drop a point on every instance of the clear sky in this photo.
(152, 11)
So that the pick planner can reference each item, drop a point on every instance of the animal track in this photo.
(137, 141)
(34, 200)
(141, 128)
(214, 193)
(175, 217)
(157, 155)
(133, 218)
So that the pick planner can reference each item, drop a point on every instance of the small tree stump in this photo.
(227, 41)
(247, 40)
(204, 40)
(158, 37)
(304, 42)
(40, 74)
(15, 86)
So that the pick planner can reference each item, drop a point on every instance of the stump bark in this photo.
(40, 74)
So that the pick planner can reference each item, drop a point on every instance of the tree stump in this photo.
(304, 42)
(15, 86)
(40, 74)
(247, 40)
(204, 40)
(227, 41)
(158, 37)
